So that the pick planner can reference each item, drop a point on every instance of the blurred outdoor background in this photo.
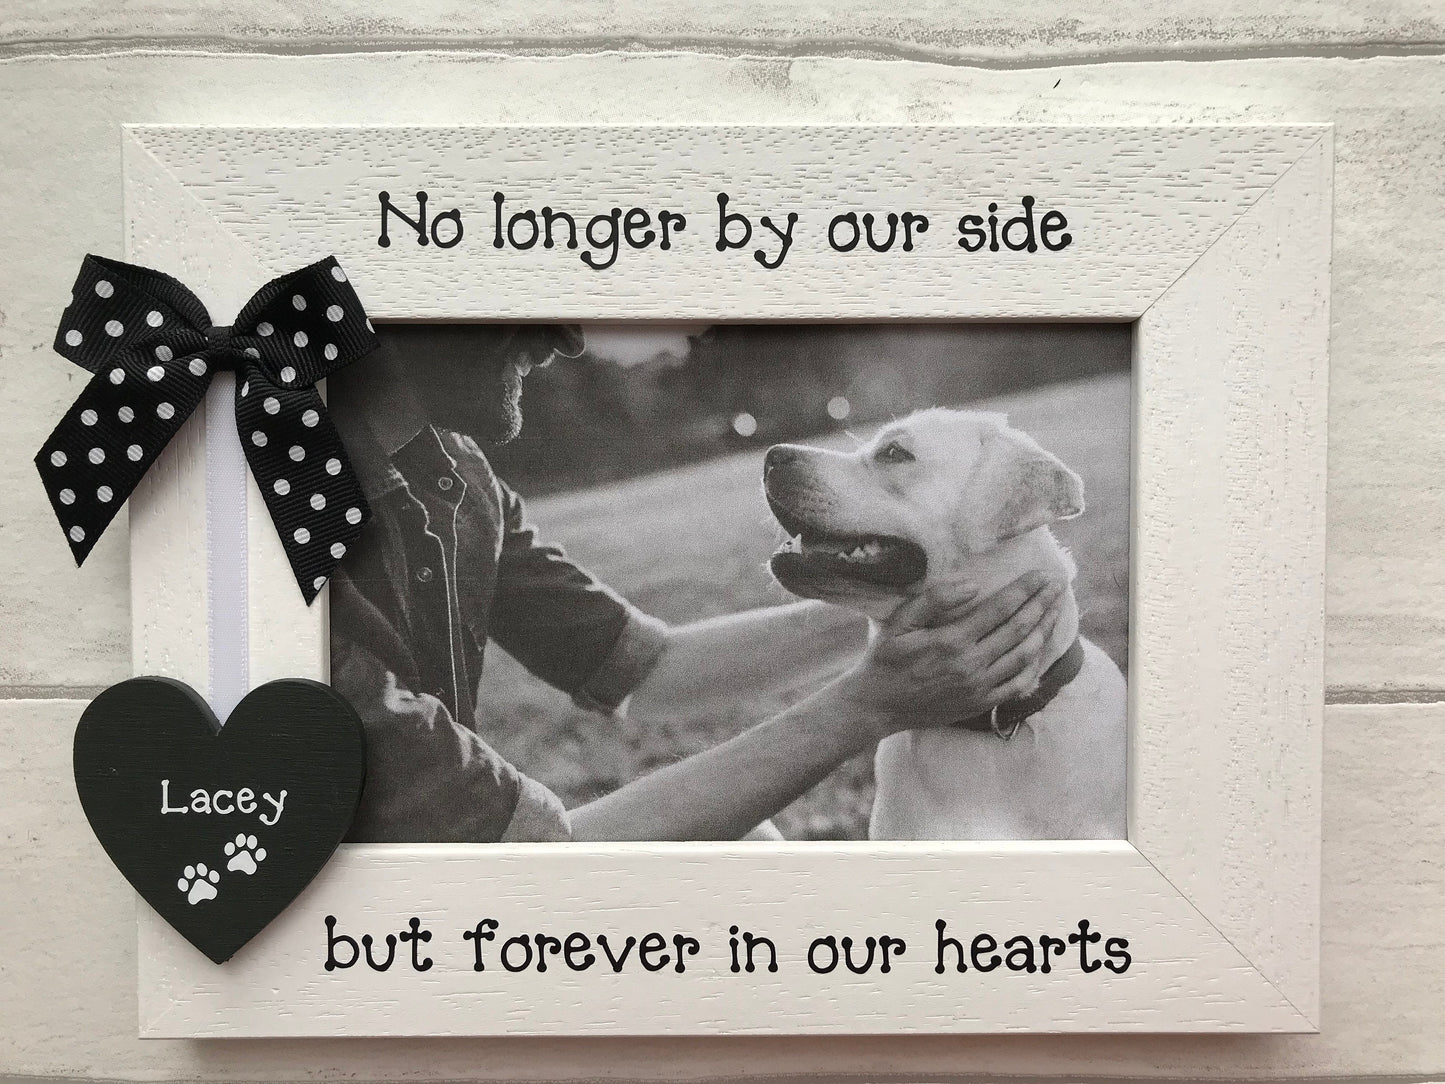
(644, 457)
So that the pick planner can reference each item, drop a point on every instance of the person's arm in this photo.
(573, 632)
(938, 659)
(763, 651)
(429, 779)
(723, 792)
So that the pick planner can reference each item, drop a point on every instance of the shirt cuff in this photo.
(539, 816)
(643, 640)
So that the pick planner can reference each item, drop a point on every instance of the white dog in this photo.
(945, 492)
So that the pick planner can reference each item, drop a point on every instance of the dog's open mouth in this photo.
(811, 552)
(880, 559)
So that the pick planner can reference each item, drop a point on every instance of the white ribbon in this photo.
(227, 605)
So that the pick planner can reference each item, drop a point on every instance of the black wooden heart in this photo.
(219, 828)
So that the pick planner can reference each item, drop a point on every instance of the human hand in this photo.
(946, 654)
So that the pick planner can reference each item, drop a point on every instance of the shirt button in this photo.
(444, 483)
(424, 574)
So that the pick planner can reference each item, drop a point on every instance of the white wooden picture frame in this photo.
(1215, 240)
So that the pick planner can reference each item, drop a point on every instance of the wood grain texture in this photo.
(994, 32)
(1386, 583)
(1231, 386)
(1190, 980)
(71, 957)
(1143, 203)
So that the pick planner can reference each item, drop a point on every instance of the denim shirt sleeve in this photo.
(562, 624)
(428, 779)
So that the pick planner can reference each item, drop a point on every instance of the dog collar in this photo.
(1005, 718)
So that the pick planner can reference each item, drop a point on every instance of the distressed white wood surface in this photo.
(1183, 977)
(1382, 901)
(995, 31)
(1229, 434)
(71, 956)
(1386, 579)
(1141, 204)
(1218, 236)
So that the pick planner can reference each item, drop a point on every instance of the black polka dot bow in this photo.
(152, 347)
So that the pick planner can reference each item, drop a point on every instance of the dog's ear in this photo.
(1030, 486)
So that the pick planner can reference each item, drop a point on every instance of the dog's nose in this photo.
(780, 455)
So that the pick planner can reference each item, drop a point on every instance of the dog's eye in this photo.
(893, 452)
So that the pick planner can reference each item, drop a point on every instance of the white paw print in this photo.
(199, 883)
(244, 854)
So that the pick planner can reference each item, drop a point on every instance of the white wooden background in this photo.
(70, 73)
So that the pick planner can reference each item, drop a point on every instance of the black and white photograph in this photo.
(834, 581)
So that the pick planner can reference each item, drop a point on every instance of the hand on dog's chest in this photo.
(264, 805)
